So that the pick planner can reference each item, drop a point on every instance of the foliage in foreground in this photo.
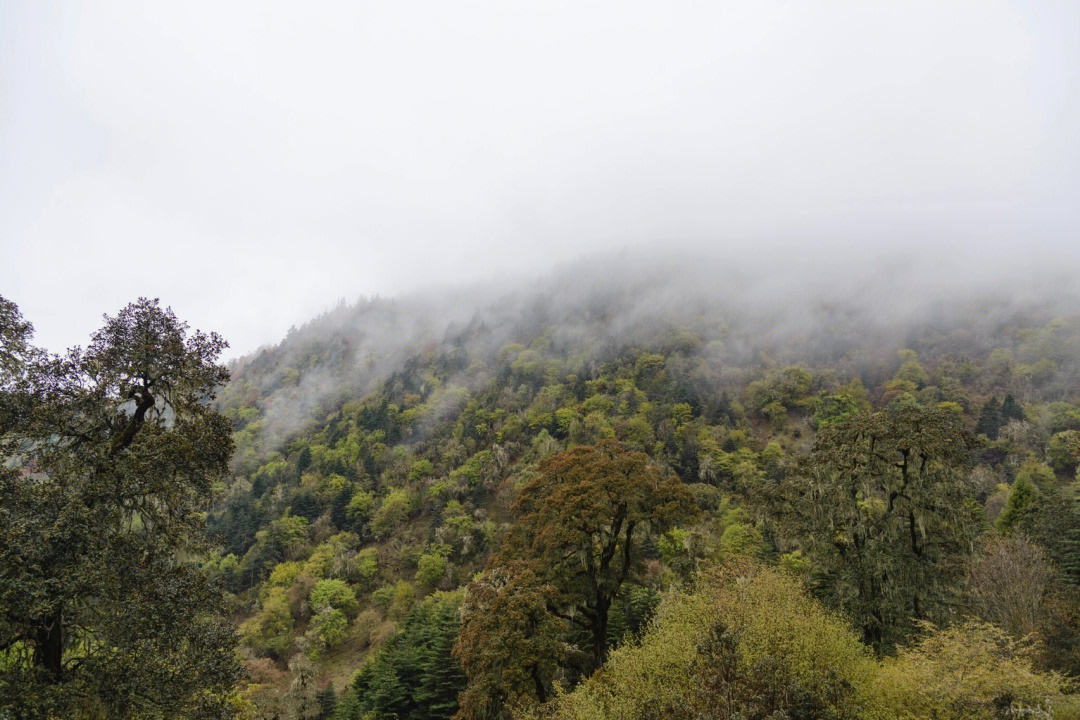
(749, 643)
(107, 455)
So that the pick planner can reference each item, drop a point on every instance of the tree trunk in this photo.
(49, 644)
(600, 623)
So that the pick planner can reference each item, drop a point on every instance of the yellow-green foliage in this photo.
(271, 629)
(747, 640)
(968, 672)
(393, 511)
(284, 574)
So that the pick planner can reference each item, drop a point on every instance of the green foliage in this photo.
(1063, 451)
(107, 456)
(360, 505)
(393, 511)
(1023, 495)
(884, 510)
(966, 671)
(330, 625)
(989, 422)
(414, 674)
(829, 409)
(420, 470)
(430, 569)
(747, 643)
(335, 594)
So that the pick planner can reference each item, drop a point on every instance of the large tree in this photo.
(582, 522)
(575, 546)
(108, 456)
(884, 508)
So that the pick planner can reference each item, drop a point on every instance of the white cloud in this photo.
(252, 162)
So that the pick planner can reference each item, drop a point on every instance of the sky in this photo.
(253, 163)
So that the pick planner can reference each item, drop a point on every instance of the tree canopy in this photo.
(109, 454)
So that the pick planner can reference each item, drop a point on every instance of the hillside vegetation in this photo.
(386, 453)
(624, 491)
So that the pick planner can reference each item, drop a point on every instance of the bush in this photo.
(973, 671)
(748, 643)
(430, 569)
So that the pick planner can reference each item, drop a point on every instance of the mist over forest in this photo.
(531, 361)
(841, 305)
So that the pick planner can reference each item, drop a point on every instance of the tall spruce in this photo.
(989, 422)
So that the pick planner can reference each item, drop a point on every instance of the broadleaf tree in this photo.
(109, 454)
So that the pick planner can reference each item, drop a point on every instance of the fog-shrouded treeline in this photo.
(661, 485)
(383, 450)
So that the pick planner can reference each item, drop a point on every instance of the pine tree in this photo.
(1021, 500)
(989, 419)
(441, 676)
(1070, 562)
(327, 701)
(1011, 410)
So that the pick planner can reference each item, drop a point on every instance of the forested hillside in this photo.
(818, 498)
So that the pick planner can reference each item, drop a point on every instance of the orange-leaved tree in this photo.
(579, 529)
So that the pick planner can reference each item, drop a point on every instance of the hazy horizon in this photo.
(251, 166)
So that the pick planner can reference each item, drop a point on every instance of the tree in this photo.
(989, 422)
(1021, 503)
(108, 455)
(970, 670)
(747, 642)
(1011, 410)
(510, 645)
(581, 524)
(1008, 584)
(413, 675)
(882, 508)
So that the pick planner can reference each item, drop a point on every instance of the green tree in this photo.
(1010, 410)
(334, 594)
(413, 675)
(1023, 497)
(108, 454)
(884, 510)
(511, 645)
(441, 676)
(747, 642)
(989, 422)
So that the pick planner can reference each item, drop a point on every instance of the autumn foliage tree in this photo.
(575, 545)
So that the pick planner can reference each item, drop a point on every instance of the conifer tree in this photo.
(989, 422)
(441, 676)
(1011, 410)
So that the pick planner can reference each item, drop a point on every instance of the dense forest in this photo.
(648, 490)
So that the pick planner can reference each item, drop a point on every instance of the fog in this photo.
(848, 312)
(251, 164)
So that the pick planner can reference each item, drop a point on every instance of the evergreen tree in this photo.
(989, 422)
(1020, 503)
(327, 701)
(1070, 561)
(441, 676)
(1011, 410)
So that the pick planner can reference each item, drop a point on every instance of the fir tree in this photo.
(441, 676)
(1021, 500)
(1011, 410)
(989, 419)
(327, 701)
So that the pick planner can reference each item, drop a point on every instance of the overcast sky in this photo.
(252, 163)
